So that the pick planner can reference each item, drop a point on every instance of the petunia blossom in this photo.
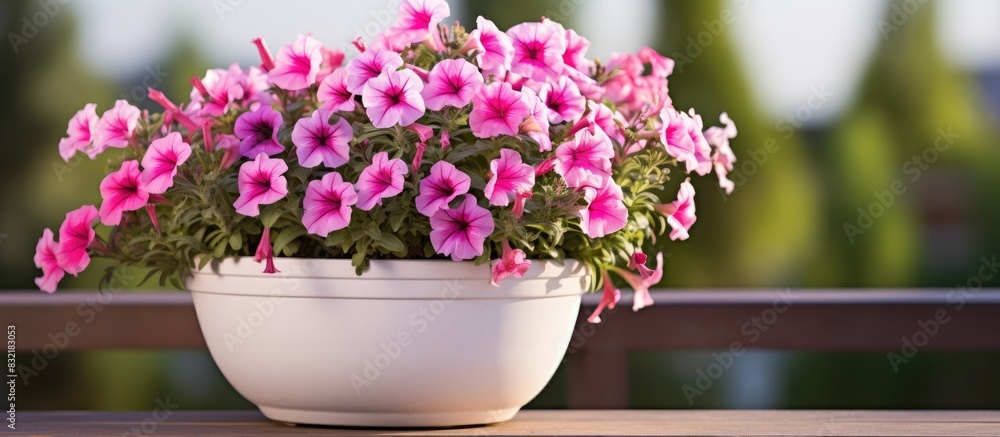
(394, 98)
(258, 132)
(80, 133)
(723, 157)
(540, 114)
(494, 49)
(512, 262)
(538, 50)
(418, 19)
(265, 252)
(452, 82)
(317, 141)
(575, 56)
(116, 127)
(497, 110)
(161, 161)
(75, 235)
(609, 298)
(369, 65)
(605, 212)
(218, 90)
(261, 182)
(461, 232)
(45, 259)
(681, 212)
(586, 159)
(122, 191)
(297, 64)
(637, 262)
(333, 94)
(510, 176)
(563, 99)
(327, 205)
(444, 184)
(609, 121)
(382, 179)
(641, 285)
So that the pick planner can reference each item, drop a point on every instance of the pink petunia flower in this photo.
(333, 94)
(122, 191)
(512, 262)
(45, 259)
(75, 235)
(382, 179)
(394, 98)
(586, 159)
(510, 176)
(231, 150)
(161, 161)
(265, 253)
(497, 110)
(80, 134)
(116, 127)
(261, 182)
(444, 184)
(258, 132)
(418, 19)
(494, 49)
(683, 138)
(641, 285)
(327, 206)
(540, 115)
(317, 141)
(333, 59)
(681, 212)
(452, 82)
(723, 157)
(609, 298)
(606, 212)
(563, 99)
(297, 64)
(369, 65)
(637, 262)
(538, 50)
(221, 87)
(575, 56)
(418, 157)
(609, 121)
(461, 232)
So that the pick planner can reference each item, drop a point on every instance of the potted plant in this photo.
(348, 229)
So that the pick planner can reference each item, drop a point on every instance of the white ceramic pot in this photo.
(412, 343)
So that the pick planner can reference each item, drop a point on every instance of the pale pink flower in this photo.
(540, 115)
(681, 212)
(512, 262)
(452, 82)
(257, 89)
(380, 180)
(265, 252)
(538, 50)
(609, 298)
(45, 259)
(258, 132)
(327, 205)
(122, 191)
(80, 132)
(222, 87)
(510, 176)
(586, 159)
(317, 141)
(461, 232)
(161, 161)
(497, 110)
(637, 262)
(297, 64)
(418, 19)
(75, 235)
(609, 121)
(575, 56)
(230, 146)
(394, 98)
(723, 157)
(605, 212)
(519, 202)
(369, 65)
(445, 139)
(333, 59)
(444, 184)
(683, 138)
(563, 99)
(660, 66)
(261, 182)
(423, 131)
(494, 50)
(116, 127)
(641, 285)
(333, 94)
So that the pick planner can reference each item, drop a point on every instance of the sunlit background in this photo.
(836, 101)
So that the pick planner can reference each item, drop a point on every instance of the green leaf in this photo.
(286, 236)
(391, 243)
(236, 241)
(458, 153)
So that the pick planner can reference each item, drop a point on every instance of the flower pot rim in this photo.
(398, 269)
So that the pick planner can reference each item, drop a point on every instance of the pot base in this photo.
(389, 420)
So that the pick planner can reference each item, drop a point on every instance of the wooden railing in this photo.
(597, 359)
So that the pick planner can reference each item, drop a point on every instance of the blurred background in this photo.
(836, 102)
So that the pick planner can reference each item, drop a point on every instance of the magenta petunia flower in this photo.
(80, 133)
(641, 285)
(265, 252)
(538, 50)
(122, 191)
(461, 232)
(540, 114)
(45, 259)
(222, 87)
(116, 127)
(510, 177)
(575, 56)
(297, 64)
(369, 65)
(609, 298)
(75, 235)
(452, 82)
(317, 141)
(637, 262)
(382, 179)
(681, 212)
(161, 161)
(563, 99)
(394, 98)
(258, 132)
(418, 19)
(683, 138)
(261, 182)
(609, 121)
(497, 110)
(586, 159)
(333, 94)
(444, 184)
(512, 262)
(605, 212)
(327, 206)
(494, 50)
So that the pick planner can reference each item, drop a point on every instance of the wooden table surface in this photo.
(537, 422)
